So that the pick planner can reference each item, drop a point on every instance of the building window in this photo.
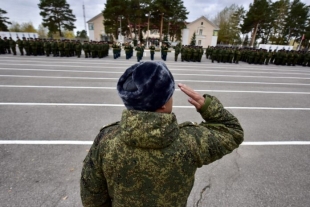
(200, 32)
(91, 26)
(215, 33)
(199, 42)
(201, 23)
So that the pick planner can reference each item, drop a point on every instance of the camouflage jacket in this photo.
(148, 159)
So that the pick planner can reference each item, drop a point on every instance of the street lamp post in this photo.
(148, 29)
(168, 36)
(120, 29)
(161, 28)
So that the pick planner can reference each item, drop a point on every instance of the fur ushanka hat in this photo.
(146, 86)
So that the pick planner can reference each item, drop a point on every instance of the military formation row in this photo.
(57, 48)
(258, 56)
(93, 49)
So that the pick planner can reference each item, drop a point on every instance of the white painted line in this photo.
(193, 81)
(114, 88)
(57, 77)
(58, 87)
(121, 105)
(67, 142)
(175, 74)
(47, 142)
(178, 64)
(190, 68)
(276, 143)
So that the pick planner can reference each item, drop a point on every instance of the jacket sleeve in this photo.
(93, 185)
(218, 135)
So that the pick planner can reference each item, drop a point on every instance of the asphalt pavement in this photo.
(70, 99)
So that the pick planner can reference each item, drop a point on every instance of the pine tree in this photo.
(3, 21)
(57, 15)
(193, 41)
(257, 15)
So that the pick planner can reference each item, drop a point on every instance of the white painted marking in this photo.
(47, 142)
(114, 88)
(179, 64)
(269, 143)
(57, 77)
(175, 74)
(67, 142)
(193, 81)
(121, 105)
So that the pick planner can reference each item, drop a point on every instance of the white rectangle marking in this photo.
(121, 105)
(67, 142)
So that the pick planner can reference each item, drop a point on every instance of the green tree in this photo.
(297, 21)
(258, 14)
(277, 22)
(3, 21)
(228, 21)
(15, 27)
(235, 25)
(115, 11)
(23, 27)
(134, 16)
(81, 34)
(28, 27)
(42, 31)
(57, 15)
(193, 40)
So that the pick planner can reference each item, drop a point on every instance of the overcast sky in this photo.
(27, 10)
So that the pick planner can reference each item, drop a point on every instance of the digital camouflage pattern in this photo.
(147, 159)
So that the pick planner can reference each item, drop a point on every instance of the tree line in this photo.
(273, 22)
(165, 16)
(57, 21)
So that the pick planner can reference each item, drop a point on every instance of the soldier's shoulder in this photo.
(105, 132)
(188, 124)
(109, 126)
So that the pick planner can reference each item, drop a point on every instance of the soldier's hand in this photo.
(195, 98)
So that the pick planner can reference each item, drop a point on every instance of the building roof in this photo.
(95, 17)
(204, 18)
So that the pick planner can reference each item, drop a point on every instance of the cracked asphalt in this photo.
(48, 175)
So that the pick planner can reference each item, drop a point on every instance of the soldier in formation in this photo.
(5, 46)
(164, 52)
(152, 51)
(57, 48)
(139, 52)
(191, 53)
(258, 56)
(128, 50)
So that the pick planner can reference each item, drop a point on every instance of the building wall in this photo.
(204, 33)
(185, 36)
(96, 28)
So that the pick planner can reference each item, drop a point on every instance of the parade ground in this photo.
(52, 108)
